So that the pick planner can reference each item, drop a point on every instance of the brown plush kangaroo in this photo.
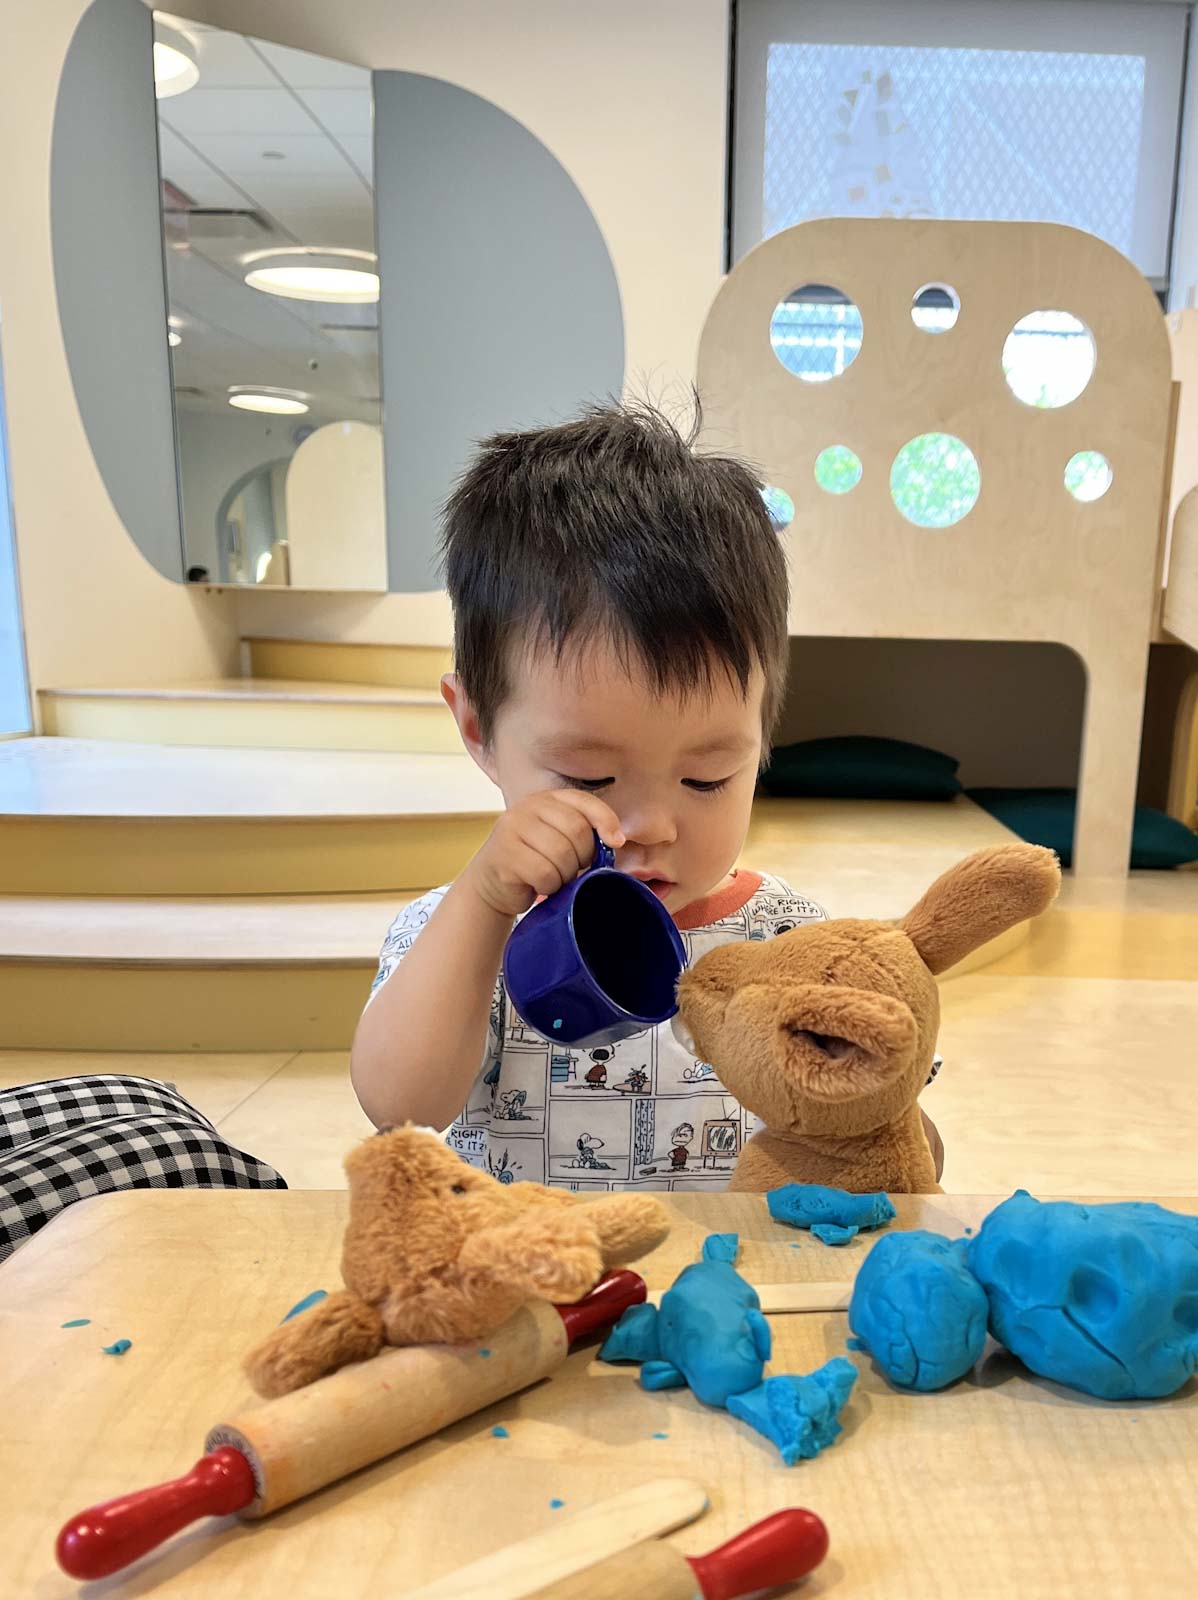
(827, 1033)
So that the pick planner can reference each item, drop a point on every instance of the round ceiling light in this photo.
(175, 68)
(277, 402)
(344, 277)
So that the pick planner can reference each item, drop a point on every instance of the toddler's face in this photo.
(679, 775)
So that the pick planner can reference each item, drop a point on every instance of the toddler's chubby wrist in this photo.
(489, 897)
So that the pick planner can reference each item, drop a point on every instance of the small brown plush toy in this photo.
(436, 1252)
(827, 1033)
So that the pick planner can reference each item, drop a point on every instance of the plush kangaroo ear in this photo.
(980, 898)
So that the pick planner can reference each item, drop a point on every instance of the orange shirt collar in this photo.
(742, 885)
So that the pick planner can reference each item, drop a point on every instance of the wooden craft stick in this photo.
(778, 1299)
(562, 1552)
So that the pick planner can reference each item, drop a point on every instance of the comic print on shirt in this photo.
(640, 1114)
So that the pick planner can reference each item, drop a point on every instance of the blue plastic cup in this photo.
(596, 962)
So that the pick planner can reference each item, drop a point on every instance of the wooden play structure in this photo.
(1027, 560)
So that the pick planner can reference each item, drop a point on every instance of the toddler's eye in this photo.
(589, 784)
(699, 787)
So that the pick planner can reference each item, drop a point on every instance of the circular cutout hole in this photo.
(935, 480)
(1048, 358)
(780, 506)
(837, 469)
(816, 332)
(1088, 475)
(935, 308)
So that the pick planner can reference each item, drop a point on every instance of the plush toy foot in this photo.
(551, 1254)
(339, 1330)
(628, 1225)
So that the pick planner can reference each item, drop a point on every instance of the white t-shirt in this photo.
(640, 1114)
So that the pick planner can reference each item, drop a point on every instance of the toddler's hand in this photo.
(540, 844)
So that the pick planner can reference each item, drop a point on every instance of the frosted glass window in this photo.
(1014, 111)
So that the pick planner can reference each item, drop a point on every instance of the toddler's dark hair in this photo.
(612, 526)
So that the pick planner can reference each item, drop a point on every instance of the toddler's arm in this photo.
(420, 1041)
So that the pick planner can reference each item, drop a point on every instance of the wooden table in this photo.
(1003, 1486)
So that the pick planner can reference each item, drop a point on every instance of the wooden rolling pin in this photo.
(290, 1447)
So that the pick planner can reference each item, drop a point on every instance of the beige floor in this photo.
(1060, 1085)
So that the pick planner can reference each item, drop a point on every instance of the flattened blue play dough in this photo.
(832, 1233)
(803, 1205)
(708, 1334)
(800, 1415)
(1103, 1298)
(307, 1303)
(919, 1310)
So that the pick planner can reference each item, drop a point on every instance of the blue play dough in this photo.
(307, 1303)
(918, 1309)
(1103, 1298)
(802, 1205)
(801, 1415)
(119, 1348)
(832, 1233)
(709, 1335)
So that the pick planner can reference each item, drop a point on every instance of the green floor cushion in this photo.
(1046, 816)
(858, 768)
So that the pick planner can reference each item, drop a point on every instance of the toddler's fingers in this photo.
(573, 828)
(554, 848)
(596, 811)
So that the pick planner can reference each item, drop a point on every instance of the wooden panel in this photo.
(1003, 1485)
(1029, 561)
(402, 665)
(1181, 596)
(254, 720)
(185, 856)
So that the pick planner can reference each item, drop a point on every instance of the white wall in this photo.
(94, 609)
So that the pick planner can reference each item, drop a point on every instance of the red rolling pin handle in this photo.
(113, 1535)
(781, 1549)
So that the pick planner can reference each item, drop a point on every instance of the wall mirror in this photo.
(268, 227)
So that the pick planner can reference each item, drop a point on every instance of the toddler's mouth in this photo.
(660, 886)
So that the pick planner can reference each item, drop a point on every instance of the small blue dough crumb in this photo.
(803, 1205)
(119, 1348)
(500, 1432)
(854, 1343)
(484, 1354)
(556, 1505)
(800, 1415)
(661, 1436)
(79, 1322)
(831, 1233)
(307, 1303)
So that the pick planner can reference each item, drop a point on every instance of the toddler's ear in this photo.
(979, 898)
(464, 714)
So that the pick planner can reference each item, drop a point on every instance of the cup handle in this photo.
(605, 856)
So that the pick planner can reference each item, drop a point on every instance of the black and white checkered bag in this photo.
(71, 1138)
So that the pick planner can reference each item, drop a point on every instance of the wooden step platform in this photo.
(398, 666)
(292, 971)
(274, 713)
(84, 817)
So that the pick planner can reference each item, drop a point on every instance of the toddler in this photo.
(620, 650)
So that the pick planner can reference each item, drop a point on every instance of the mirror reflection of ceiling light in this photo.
(175, 68)
(173, 338)
(277, 402)
(345, 277)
